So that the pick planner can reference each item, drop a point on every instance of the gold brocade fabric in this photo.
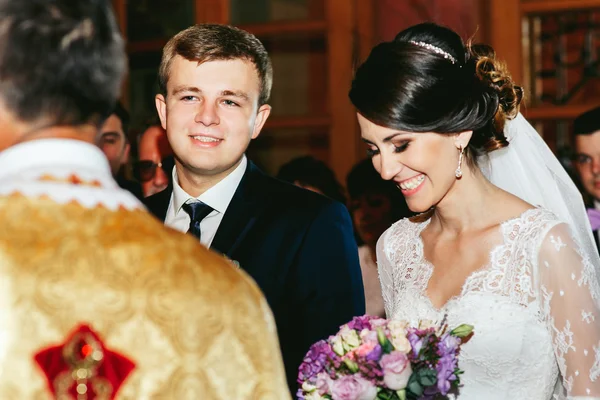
(195, 327)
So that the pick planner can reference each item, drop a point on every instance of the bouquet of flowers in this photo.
(373, 358)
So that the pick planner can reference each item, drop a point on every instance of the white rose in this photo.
(308, 388)
(398, 336)
(313, 396)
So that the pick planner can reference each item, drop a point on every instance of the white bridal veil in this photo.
(528, 169)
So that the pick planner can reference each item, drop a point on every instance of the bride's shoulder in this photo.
(405, 228)
(537, 218)
(532, 225)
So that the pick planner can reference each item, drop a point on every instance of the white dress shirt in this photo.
(218, 197)
(64, 170)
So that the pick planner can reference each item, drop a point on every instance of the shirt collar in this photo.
(218, 196)
(59, 157)
(597, 204)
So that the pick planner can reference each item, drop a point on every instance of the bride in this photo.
(503, 242)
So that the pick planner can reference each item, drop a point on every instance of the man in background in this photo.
(94, 303)
(586, 129)
(112, 140)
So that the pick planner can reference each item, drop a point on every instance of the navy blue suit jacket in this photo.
(299, 248)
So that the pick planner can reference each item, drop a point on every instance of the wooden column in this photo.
(505, 34)
(365, 27)
(343, 133)
(120, 11)
(365, 20)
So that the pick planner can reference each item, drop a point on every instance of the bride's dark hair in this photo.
(408, 87)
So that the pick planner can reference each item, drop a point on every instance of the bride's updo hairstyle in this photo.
(428, 80)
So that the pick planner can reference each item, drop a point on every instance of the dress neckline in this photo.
(485, 267)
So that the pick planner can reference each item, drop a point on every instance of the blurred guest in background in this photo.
(155, 164)
(586, 159)
(112, 140)
(312, 174)
(375, 205)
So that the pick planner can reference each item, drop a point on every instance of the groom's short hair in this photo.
(61, 61)
(587, 123)
(213, 42)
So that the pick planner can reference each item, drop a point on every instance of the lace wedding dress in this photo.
(534, 307)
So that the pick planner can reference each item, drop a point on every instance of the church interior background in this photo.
(550, 46)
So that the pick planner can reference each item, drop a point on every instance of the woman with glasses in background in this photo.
(155, 165)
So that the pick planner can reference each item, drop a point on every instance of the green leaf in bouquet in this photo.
(352, 366)
(401, 394)
(338, 346)
(385, 394)
(414, 387)
(462, 331)
(386, 345)
(427, 377)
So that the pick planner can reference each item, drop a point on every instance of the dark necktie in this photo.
(197, 212)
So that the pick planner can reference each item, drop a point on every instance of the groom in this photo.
(215, 82)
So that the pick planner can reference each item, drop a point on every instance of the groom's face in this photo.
(211, 113)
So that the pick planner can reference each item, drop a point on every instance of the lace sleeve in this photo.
(386, 278)
(570, 293)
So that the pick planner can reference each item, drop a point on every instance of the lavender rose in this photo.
(353, 387)
(396, 370)
(323, 383)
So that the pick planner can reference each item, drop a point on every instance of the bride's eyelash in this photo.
(401, 148)
(397, 149)
(372, 152)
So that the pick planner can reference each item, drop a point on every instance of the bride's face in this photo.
(421, 164)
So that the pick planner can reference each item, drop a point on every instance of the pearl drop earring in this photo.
(458, 172)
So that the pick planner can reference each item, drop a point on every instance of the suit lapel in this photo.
(158, 204)
(245, 206)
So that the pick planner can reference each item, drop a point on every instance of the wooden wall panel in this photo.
(392, 16)
(344, 137)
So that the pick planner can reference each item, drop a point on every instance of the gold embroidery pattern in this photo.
(188, 320)
(71, 180)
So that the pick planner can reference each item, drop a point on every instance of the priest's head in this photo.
(61, 67)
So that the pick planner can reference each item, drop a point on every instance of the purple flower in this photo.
(375, 354)
(314, 361)
(450, 342)
(446, 367)
(360, 323)
(416, 342)
(445, 373)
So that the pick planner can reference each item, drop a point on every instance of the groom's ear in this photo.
(462, 139)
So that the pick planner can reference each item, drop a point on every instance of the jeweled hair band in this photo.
(435, 49)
